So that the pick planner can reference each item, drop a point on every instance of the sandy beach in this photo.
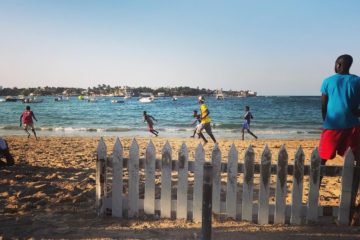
(50, 193)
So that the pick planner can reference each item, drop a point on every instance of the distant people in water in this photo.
(149, 119)
(246, 125)
(205, 121)
(26, 120)
(197, 119)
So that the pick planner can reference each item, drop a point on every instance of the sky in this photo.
(278, 47)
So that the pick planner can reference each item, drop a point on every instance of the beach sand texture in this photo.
(50, 193)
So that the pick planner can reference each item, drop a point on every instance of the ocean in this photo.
(275, 117)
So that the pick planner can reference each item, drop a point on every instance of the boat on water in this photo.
(146, 97)
(11, 99)
(219, 95)
(32, 99)
(61, 99)
(174, 98)
(247, 93)
(2, 99)
(117, 101)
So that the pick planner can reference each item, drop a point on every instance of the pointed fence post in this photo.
(198, 183)
(265, 173)
(133, 168)
(281, 187)
(248, 183)
(207, 202)
(346, 188)
(314, 182)
(182, 188)
(100, 177)
(166, 161)
(216, 163)
(232, 171)
(117, 183)
(149, 197)
(298, 177)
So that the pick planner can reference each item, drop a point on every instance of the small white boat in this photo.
(146, 99)
(33, 100)
(2, 99)
(61, 99)
(219, 95)
(117, 101)
(174, 98)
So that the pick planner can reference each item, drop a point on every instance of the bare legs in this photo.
(248, 130)
(153, 131)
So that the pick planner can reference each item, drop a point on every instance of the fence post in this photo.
(133, 168)
(216, 163)
(248, 182)
(182, 189)
(231, 190)
(117, 182)
(314, 182)
(297, 192)
(166, 162)
(100, 177)
(149, 197)
(346, 187)
(207, 202)
(265, 173)
(281, 187)
(198, 182)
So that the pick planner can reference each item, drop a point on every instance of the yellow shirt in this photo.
(204, 111)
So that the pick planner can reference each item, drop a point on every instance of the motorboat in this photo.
(10, 99)
(146, 97)
(117, 101)
(219, 95)
(61, 98)
(32, 99)
(174, 98)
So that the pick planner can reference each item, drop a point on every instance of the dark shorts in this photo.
(338, 141)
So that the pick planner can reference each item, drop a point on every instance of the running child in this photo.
(149, 119)
(246, 125)
(26, 119)
(197, 119)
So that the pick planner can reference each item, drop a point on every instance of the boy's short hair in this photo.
(27, 107)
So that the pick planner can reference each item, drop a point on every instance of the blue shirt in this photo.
(343, 92)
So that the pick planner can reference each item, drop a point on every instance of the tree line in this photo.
(107, 90)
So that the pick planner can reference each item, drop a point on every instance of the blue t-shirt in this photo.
(343, 91)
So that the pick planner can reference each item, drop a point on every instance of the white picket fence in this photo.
(117, 190)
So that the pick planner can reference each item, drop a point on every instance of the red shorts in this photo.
(338, 141)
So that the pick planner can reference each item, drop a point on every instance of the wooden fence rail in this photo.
(118, 180)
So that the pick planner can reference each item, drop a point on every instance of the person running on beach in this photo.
(340, 102)
(149, 119)
(26, 119)
(197, 119)
(205, 121)
(246, 125)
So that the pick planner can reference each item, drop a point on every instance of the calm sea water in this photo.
(274, 117)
